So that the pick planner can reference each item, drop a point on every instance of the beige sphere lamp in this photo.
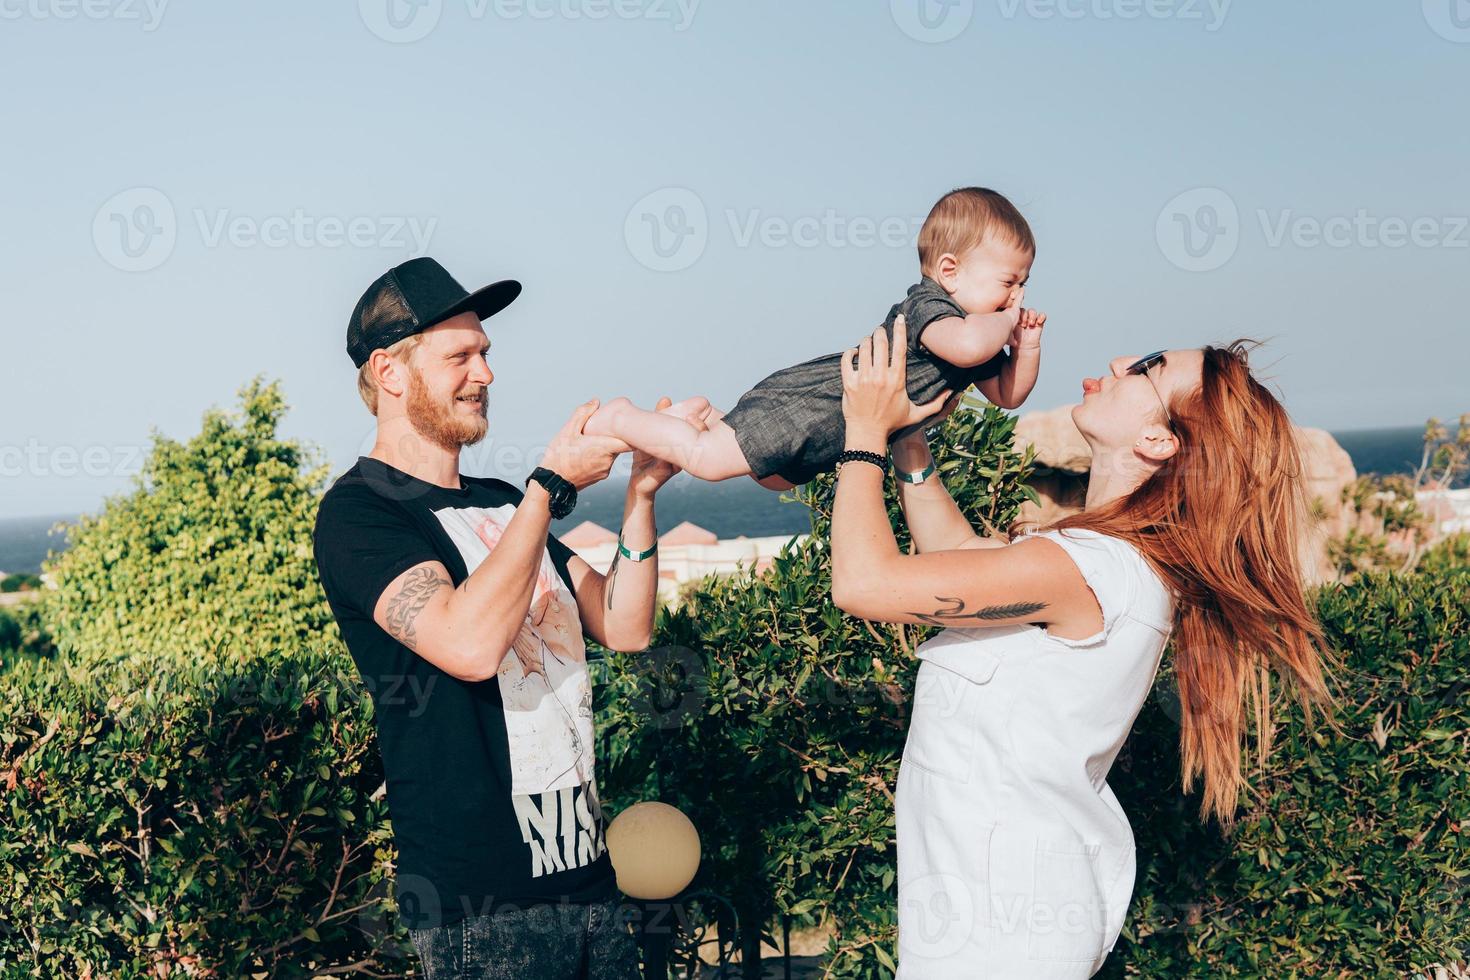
(654, 850)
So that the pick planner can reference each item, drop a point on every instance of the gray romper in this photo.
(791, 424)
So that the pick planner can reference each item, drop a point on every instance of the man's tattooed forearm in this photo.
(404, 608)
(955, 611)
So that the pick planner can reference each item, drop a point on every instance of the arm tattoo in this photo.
(955, 612)
(612, 577)
(404, 608)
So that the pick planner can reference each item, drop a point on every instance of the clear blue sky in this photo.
(158, 152)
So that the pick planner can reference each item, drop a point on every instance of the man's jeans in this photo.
(542, 942)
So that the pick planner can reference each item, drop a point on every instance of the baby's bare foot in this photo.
(689, 409)
(605, 421)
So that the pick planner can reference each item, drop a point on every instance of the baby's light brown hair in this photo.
(964, 218)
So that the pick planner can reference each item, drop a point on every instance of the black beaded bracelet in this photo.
(849, 455)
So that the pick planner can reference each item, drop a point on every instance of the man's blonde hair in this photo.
(367, 385)
(966, 217)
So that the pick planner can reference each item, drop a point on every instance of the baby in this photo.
(975, 253)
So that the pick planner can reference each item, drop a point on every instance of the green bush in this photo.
(19, 582)
(210, 553)
(10, 634)
(23, 634)
(189, 785)
(1352, 857)
(1451, 553)
(175, 819)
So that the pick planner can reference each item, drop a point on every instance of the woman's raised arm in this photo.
(1030, 582)
(934, 520)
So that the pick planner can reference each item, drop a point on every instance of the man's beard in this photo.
(442, 423)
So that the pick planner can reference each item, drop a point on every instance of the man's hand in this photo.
(582, 460)
(1027, 332)
(649, 472)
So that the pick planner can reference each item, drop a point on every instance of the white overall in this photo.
(1015, 861)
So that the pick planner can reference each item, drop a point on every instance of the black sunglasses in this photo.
(1142, 366)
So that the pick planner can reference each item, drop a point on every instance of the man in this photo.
(466, 619)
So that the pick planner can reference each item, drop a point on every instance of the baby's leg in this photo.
(772, 482)
(711, 455)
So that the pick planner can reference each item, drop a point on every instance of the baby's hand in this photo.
(1013, 310)
(1027, 332)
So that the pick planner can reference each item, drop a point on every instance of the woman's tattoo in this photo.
(612, 577)
(947, 615)
(404, 608)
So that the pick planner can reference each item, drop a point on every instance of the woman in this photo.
(1014, 858)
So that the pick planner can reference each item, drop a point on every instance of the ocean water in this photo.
(24, 542)
(728, 508)
(1383, 451)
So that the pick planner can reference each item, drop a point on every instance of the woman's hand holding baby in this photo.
(875, 398)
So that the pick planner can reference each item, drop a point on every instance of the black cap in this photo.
(412, 297)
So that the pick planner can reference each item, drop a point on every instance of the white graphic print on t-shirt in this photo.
(547, 698)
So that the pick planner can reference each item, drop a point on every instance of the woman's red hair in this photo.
(1219, 521)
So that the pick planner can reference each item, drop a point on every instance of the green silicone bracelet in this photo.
(915, 478)
(642, 555)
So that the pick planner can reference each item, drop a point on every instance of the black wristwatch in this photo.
(563, 494)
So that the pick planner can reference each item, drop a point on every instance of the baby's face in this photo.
(985, 278)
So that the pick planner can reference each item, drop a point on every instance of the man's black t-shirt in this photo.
(491, 784)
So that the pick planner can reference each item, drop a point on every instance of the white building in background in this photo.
(1450, 509)
(685, 553)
